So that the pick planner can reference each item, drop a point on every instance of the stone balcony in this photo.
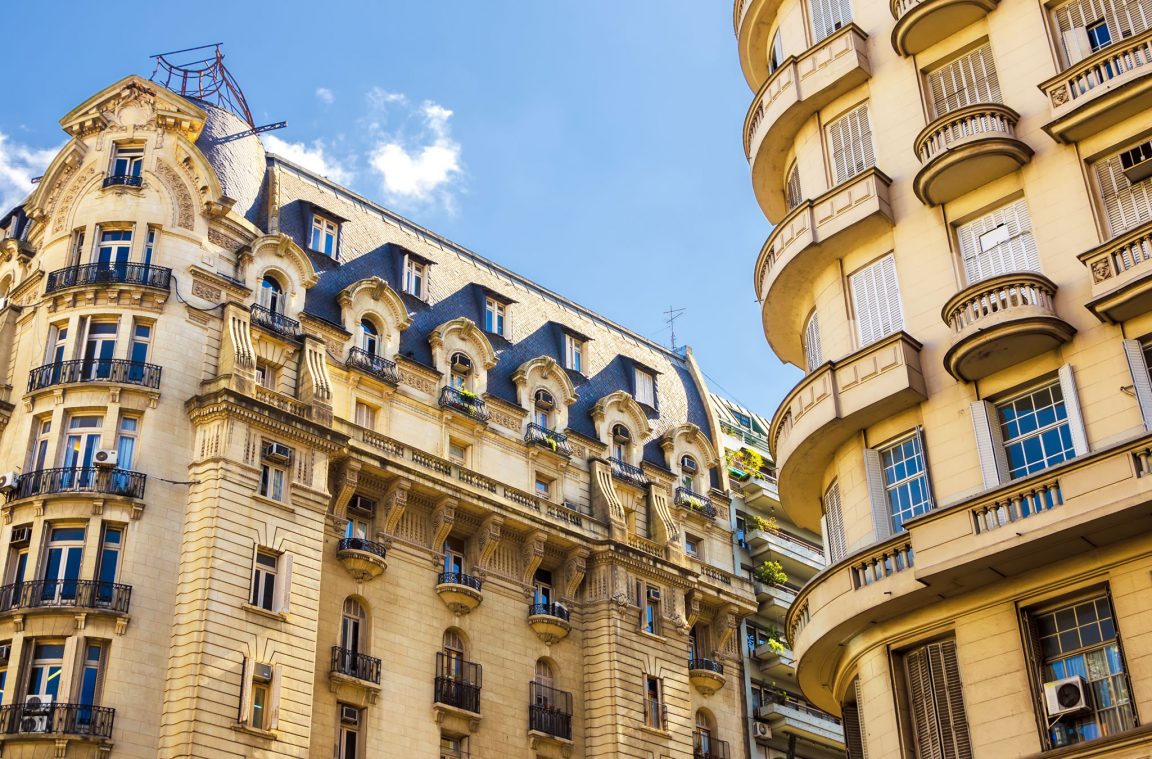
(798, 557)
(777, 665)
(794, 93)
(809, 238)
(1103, 89)
(752, 22)
(806, 722)
(922, 23)
(832, 404)
(1121, 275)
(965, 149)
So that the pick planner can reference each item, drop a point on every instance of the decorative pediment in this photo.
(287, 255)
(465, 330)
(372, 294)
(619, 405)
(543, 370)
(135, 102)
(687, 437)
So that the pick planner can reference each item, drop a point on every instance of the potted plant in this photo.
(771, 573)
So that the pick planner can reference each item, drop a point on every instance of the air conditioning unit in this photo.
(106, 458)
(262, 673)
(761, 730)
(1066, 696)
(34, 718)
(8, 482)
(277, 452)
(653, 594)
(20, 535)
(349, 715)
(1136, 162)
(461, 364)
(361, 503)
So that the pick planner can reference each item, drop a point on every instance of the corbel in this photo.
(346, 484)
(575, 564)
(532, 554)
(395, 501)
(443, 515)
(485, 541)
(691, 608)
(726, 621)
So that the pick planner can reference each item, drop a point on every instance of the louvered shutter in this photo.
(1138, 365)
(792, 188)
(813, 355)
(828, 16)
(877, 495)
(989, 443)
(853, 738)
(1124, 20)
(834, 524)
(948, 691)
(1127, 205)
(1072, 407)
(922, 704)
(987, 254)
(851, 139)
(876, 300)
(967, 80)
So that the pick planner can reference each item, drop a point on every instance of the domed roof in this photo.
(239, 163)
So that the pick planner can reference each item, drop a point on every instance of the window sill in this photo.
(279, 616)
(1100, 747)
(653, 636)
(272, 502)
(655, 731)
(242, 727)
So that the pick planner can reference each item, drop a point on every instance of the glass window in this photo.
(645, 388)
(458, 452)
(349, 732)
(324, 235)
(114, 248)
(775, 52)
(651, 618)
(494, 316)
(691, 545)
(271, 481)
(127, 160)
(543, 488)
(1035, 430)
(265, 375)
(47, 665)
(415, 275)
(38, 452)
(365, 415)
(905, 481)
(261, 692)
(272, 294)
(108, 563)
(369, 337)
(149, 246)
(1099, 36)
(653, 703)
(264, 580)
(574, 352)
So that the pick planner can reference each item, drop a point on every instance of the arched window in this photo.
(703, 736)
(455, 654)
(688, 471)
(621, 442)
(542, 411)
(272, 294)
(369, 337)
(461, 368)
(352, 625)
(544, 673)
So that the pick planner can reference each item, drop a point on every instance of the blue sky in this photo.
(593, 147)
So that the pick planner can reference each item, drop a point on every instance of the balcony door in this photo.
(44, 674)
(80, 446)
(350, 626)
(543, 583)
(108, 564)
(90, 682)
(113, 251)
(62, 565)
(99, 349)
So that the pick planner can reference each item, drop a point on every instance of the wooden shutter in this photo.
(1015, 254)
(949, 695)
(274, 691)
(834, 521)
(1141, 380)
(1124, 20)
(967, 80)
(813, 355)
(989, 443)
(1072, 407)
(1127, 205)
(877, 495)
(282, 593)
(792, 190)
(919, 433)
(850, 137)
(876, 301)
(853, 737)
(922, 704)
(244, 713)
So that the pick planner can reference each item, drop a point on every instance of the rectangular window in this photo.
(76, 251)
(1035, 430)
(645, 388)
(934, 700)
(653, 702)
(91, 678)
(271, 481)
(265, 375)
(650, 608)
(828, 16)
(756, 637)
(964, 81)
(365, 415)
(835, 545)
(776, 52)
(127, 161)
(415, 277)
(350, 718)
(692, 545)
(325, 233)
(813, 355)
(114, 248)
(544, 488)
(264, 580)
(998, 243)
(108, 563)
(38, 451)
(45, 670)
(458, 452)
(1127, 204)
(850, 138)
(905, 481)
(1099, 36)
(1087, 26)
(260, 695)
(876, 301)
(574, 353)
(453, 748)
(494, 312)
(792, 188)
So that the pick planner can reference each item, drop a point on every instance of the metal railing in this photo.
(79, 594)
(633, 475)
(95, 370)
(541, 435)
(361, 544)
(708, 665)
(90, 479)
(378, 366)
(361, 666)
(550, 711)
(57, 719)
(128, 180)
(560, 611)
(458, 682)
(464, 402)
(704, 746)
(459, 578)
(274, 321)
(692, 500)
(144, 275)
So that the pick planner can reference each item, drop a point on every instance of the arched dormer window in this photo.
(543, 404)
(621, 443)
(369, 337)
(461, 369)
(689, 470)
(272, 294)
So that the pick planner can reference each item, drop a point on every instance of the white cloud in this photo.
(380, 98)
(310, 157)
(325, 95)
(420, 167)
(18, 165)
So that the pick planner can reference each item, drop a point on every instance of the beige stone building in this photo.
(288, 475)
(961, 203)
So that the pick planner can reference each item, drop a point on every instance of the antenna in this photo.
(672, 314)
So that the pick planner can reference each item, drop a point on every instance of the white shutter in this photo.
(876, 301)
(792, 190)
(1138, 365)
(1000, 242)
(282, 592)
(850, 137)
(919, 433)
(1127, 205)
(828, 16)
(813, 355)
(244, 714)
(877, 495)
(835, 542)
(274, 691)
(967, 80)
(1124, 20)
(1072, 407)
(989, 443)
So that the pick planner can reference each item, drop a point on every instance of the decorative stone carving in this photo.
(395, 501)
(1101, 270)
(443, 516)
(532, 553)
(344, 488)
(185, 210)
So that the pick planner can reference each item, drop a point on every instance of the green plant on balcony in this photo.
(767, 524)
(775, 641)
(743, 463)
(771, 573)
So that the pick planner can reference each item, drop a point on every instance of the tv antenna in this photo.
(207, 79)
(671, 315)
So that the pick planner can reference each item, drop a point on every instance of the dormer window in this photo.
(542, 412)
(688, 471)
(621, 442)
(127, 163)
(369, 337)
(272, 294)
(461, 367)
(645, 387)
(574, 353)
(415, 278)
(325, 234)
(494, 313)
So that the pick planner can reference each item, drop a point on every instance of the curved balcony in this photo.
(549, 621)
(465, 402)
(1121, 275)
(752, 22)
(459, 592)
(1000, 322)
(364, 559)
(807, 240)
(966, 149)
(66, 594)
(706, 675)
(114, 370)
(1105, 88)
(63, 481)
(922, 23)
(693, 501)
(832, 404)
(793, 94)
(625, 472)
(122, 180)
(557, 442)
(377, 366)
(88, 275)
(275, 322)
(57, 721)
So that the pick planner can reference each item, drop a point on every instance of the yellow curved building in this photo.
(961, 200)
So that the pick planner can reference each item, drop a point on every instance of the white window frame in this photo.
(495, 317)
(884, 487)
(415, 278)
(851, 150)
(574, 353)
(645, 387)
(998, 242)
(273, 481)
(968, 79)
(274, 597)
(325, 237)
(269, 720)
(365, 414)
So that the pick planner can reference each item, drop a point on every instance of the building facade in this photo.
(778, 557)
(959, 262)
(291, 476)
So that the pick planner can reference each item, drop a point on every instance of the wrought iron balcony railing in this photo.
(560, 611)
(361, 666)
(127, 180)
(692, 500)
(121, 482)
(57, 719)
(706, 664)
(458, 682)
(274, 321)
(144, 275)
(361, 544)
(704, 746)
(95, 370)
(550, 711)
(459, 578)
(542, 436)
(633, 475)
(377, 366)
(465, 402)
(78, 594)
